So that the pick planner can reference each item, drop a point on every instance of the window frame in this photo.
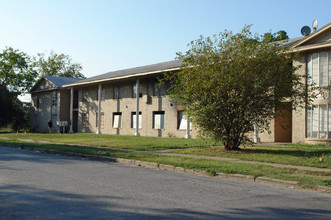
(162, 120)
(318, 121)
(119, 120)
(133, 122)
(117, 93)
(318, 72)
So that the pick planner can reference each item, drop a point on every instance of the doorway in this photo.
(283, 124)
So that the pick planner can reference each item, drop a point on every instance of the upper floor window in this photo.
(54, 98)
(85, 96)
(134, 91)
(103, 94)
(160, 90)
(117, 92)
(36, 101)
(319, 69)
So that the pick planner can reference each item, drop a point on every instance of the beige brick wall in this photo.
(299, 116)
(126, 105)
(41, 115)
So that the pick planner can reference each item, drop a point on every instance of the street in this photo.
(41, 186)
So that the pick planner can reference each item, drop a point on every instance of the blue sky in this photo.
(106, 35)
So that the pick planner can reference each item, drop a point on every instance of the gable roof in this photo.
(57, 81)
(60, 81)
(300, 45)
(132, 72)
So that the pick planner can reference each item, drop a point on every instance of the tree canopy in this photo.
(16, 72)
(272, 37)
(57, 65)
(16, 77)
(232, 81)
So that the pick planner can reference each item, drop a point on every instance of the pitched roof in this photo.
(132, 72)
(313, 35)
(291, 41)
(60, 81)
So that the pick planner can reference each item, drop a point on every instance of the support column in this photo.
(188, 128)
(256, 134)
(137, 111)
(99, 108)
(71, 108)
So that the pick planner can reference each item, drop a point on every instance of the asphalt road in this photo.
(41, 186)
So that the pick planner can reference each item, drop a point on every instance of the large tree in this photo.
(16, 77)
(232, 81)
(57, 65)
(16, 72)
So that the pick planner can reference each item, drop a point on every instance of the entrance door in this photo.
(283, 124)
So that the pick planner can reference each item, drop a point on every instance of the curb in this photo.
(156, 166)
(323, 189)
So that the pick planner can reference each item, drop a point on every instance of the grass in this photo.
(300, 155)
(306, 179)
(113, 141)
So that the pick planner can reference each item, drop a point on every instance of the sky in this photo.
(107, 35)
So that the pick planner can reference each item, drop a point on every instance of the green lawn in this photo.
(113, 141)
(300, 155)
(294, 154)
(306, 179)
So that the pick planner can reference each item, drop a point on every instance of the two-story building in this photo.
(110, 103)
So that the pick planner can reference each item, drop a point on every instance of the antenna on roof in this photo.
(305, 30)
(315, 25)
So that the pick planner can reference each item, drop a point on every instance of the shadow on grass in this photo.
(289, 152)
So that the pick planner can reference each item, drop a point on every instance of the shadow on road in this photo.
(22, 202)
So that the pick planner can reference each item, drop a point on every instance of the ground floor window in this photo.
(117, 119)
(158, 120)
(319, 122)
(133, 120)
(85, 121)
(182, 121)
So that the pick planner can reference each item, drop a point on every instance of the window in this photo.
(117, 119)
(182, 121)
(117, 92)
(102, 117)
(85, 122)
(134, 91)
(54, 98)
(103, 94)
(319, 69)
(85, 96)
(158, 120)
(160, 90)
(133, 120)
(319, 122)
(36, 101)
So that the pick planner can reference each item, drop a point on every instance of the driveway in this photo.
(41, 186)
